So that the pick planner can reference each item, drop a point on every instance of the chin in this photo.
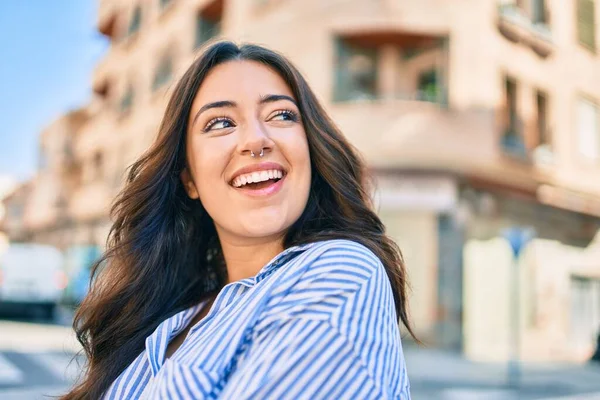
(266, 221)
(265, 228)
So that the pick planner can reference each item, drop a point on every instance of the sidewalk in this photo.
(438, 374)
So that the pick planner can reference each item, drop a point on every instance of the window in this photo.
(542, 118)
(588, 134)
(510, 87)
(98, 165)
(542, 152)
(585, 311)
(428, 86)
(136, 21)
(208, 22)
(43, 159)
(355, 72)
(206, 29)
(538, 12)
(586, 24)
(163, 73)
(126, 100)
(512, 139)
(67, 150)
(15, 210)
(535, 10)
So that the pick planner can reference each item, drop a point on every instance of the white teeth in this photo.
(255, 177)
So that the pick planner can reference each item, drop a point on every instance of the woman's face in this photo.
(244, 108)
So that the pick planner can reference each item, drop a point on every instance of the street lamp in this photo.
(517, 238)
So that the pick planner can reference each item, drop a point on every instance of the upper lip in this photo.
(263, 166)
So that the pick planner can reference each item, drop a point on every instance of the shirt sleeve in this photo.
(332, 333)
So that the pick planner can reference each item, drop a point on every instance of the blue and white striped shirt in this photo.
(317, 322)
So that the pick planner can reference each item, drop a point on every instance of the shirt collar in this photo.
(279, 260)
(157, 342)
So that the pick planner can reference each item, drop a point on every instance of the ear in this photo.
(188, 184)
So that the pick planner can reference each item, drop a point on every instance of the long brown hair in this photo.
(163, 254)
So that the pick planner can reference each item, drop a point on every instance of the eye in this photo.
(218, 123)
(285, 115)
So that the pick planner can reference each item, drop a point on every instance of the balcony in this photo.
(393, 134)
(526, 141)
(107, 18)
(518, 27)
(431, 93)
(513, 145)
(417, 135)
(391, 66)
(103, 73)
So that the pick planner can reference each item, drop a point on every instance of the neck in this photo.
(245, 257)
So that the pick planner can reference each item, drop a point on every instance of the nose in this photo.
(255, 139)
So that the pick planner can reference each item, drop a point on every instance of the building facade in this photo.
(474, 116)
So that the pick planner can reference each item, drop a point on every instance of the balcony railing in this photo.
(519, 27)
(513, 144)
(431, 94)
(515, 15)
(543, 155)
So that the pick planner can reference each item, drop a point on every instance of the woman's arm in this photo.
(332, 334)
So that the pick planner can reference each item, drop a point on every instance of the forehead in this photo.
(240, 79)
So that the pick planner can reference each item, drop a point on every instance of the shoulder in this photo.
(332, 264)
(338, 281)
(343, 249)
(350, 256)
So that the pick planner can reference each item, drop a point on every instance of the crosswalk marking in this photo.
(9, 373)
(62, 366)
(37, 393)
(28, 370)
(585, 396)
(476, 394)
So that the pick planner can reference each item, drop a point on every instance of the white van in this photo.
(32, 278)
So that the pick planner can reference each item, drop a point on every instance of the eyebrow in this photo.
(269, 98)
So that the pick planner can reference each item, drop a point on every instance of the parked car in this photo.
(32, 279)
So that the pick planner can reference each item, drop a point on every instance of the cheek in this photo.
(301, 155)
(209, 163)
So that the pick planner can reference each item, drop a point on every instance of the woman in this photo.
(245, 261)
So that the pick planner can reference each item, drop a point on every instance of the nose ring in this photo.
(262, 153)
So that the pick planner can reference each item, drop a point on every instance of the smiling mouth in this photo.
(260, 185)
(258, 180)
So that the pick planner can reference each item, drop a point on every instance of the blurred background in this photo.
(479, 119)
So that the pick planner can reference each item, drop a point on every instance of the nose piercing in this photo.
(262, 153)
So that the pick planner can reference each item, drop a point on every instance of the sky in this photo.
(48, 49)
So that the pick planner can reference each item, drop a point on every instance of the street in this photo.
(37, 357)
(36, 361)
(438, 374)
